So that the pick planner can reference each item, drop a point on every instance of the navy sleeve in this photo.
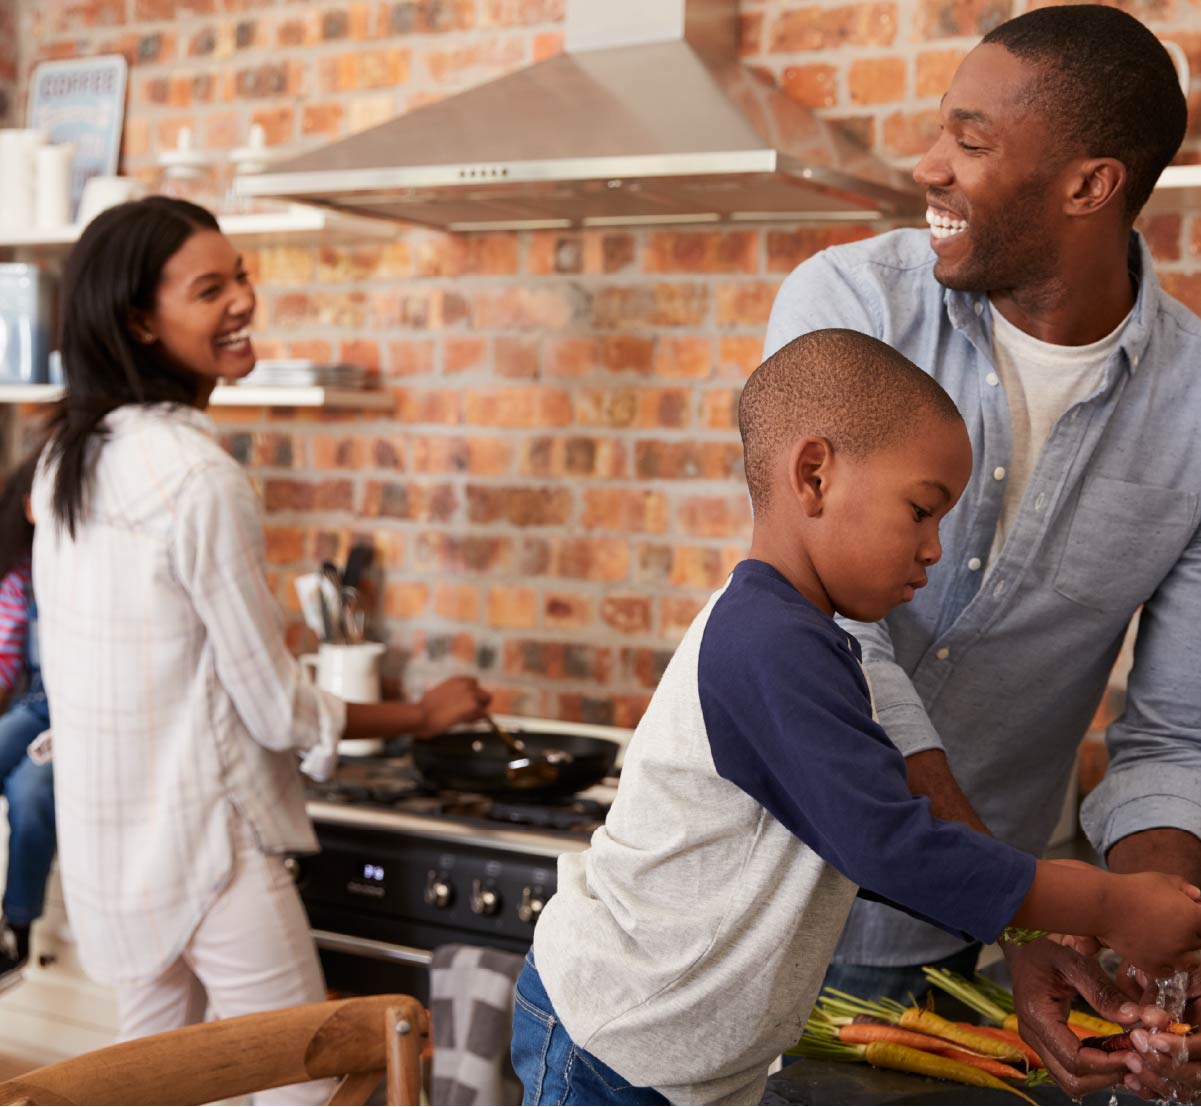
(788, 714)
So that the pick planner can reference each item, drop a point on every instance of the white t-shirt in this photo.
(1041, 382)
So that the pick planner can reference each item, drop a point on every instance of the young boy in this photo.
(684, 949)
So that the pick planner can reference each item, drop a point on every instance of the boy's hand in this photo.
(457, 700)
(1156, 921)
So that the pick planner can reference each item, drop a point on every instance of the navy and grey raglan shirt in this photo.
(686, 946)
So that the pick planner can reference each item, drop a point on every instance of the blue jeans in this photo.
(550, 1066)
(29, 789)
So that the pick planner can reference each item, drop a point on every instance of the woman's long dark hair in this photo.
(113, 271)
(16, 531)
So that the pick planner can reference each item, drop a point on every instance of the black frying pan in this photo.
(475, 762)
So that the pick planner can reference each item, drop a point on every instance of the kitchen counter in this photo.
(819, 1082)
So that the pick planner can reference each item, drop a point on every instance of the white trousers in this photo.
(251, 952)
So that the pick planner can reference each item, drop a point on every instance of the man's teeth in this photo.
(235, 339)
(942, 225)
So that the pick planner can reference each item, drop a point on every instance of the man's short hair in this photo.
(1107, 84)
(841, 385)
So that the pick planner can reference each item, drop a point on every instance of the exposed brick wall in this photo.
(560, 486)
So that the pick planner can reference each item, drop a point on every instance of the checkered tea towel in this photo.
(471, 1005)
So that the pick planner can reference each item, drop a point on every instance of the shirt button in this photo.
(998, 473)
(998, 588)
(1134, 361)
(993, 379)
(979, 308)
(943, 654)
(974, 563)
(1039, 501)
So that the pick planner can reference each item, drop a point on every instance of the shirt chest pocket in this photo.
(1123, 540)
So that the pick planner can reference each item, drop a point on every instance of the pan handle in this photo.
(369, 947)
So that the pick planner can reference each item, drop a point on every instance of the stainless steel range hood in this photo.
(649, 117)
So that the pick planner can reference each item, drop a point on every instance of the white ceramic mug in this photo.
(350, 672)
(101, 193)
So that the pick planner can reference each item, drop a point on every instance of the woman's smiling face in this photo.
(203, 310)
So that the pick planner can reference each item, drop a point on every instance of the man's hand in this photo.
(1046, 977)
(1168, 1067)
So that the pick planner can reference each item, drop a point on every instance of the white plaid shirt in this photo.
(177, 707)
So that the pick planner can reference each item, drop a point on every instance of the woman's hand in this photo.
(457, 700)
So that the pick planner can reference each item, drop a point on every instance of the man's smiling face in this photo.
(994, 179)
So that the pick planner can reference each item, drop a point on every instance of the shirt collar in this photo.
(172, 413)
(968, 311)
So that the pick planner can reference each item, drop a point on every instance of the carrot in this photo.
(927, 1022)
(1178, 1028)
(985, 1064)
(888, 1055)
(863, 1034)
(1108, 1043)
(1080, 1024)
(1015, 1040)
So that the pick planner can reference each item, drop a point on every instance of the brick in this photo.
(457, 255)
(322, 119)
(515, 308)
(278, 123)
(683, 357)
(745, 304)
(461, 354)
(719, 409)
(650, 305)
(517, 506)
(338, 264)
(558, 660)
(566, 610)
(479, 456)
(521, 13)
(410, 358)
(935, 68)
(645, 666)
(574, 456)
(360, 351)
(222, 130)
(461, 603)
(1163, 235)
(815, 86)
(366, 111)
(702, 566)
(909, 134)
(961, 18)
(385, 453)
(633, 407)
(597, 559)
(475, 60)
(518, 407)
(631, 511)
(516, 357)
(364, 69)
(547, 44)
(738, 356)
(677, 612)
(654, 460)
(440, 407)
(811, 28)
(750, 33)
(410, 500)
(300, 496)
(876, 80)
(512, 608)
(715, 517)
(702, 252)
(787, 249)
(1186, 287)
(626, 614)
(405, 599)
(427, 16)
(285, 545)
(334, 451)
(435, 551)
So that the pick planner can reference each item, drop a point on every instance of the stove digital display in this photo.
(373, 872)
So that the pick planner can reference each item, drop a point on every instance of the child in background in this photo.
(27, 782)
(684, 949)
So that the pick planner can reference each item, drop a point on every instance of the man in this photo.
(1033, 303)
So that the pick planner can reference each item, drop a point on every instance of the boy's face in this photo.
(881, 516)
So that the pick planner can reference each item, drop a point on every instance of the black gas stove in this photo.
(405, 868)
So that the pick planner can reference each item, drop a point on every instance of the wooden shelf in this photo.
(345, 399)
(298, 221)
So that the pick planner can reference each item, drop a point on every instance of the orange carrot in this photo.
(861, 1034)
(985, 1064)
(927, 1022)
(1178, 1028)
(889, 1055)
(1079, 1023)
(1015, 1040)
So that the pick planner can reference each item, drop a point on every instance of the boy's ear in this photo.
(809, 473)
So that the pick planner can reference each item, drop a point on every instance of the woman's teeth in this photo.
(943, 226)
(235, 339)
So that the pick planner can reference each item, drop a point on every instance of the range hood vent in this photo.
(649, 117)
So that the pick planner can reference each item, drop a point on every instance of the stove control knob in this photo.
(532, 902)
(484, 900)
(292, 868)
(438, 889)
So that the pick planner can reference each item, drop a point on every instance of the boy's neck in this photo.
(792, 563)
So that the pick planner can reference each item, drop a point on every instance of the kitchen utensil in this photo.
(331, 591)
(308, 592)
(523, 771)
(476, 761)
(351, 672)
(354, 617)
(357, 560)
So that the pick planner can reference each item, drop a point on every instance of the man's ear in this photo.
(809, 464)
(1096, 182)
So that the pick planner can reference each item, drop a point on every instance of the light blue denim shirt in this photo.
(1003, 667)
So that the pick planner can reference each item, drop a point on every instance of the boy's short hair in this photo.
(841, 385)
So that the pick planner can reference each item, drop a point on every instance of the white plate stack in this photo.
(302, 373)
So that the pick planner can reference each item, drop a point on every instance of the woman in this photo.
(178, 708)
